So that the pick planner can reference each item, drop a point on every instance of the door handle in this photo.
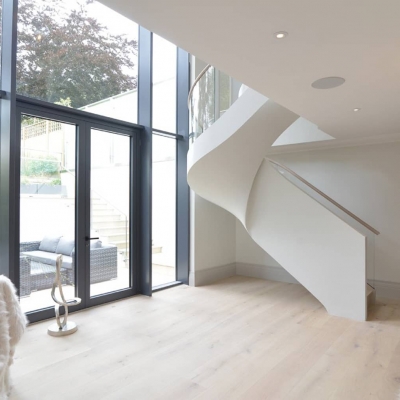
(87, 238)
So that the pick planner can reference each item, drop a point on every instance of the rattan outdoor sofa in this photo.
(37, 267)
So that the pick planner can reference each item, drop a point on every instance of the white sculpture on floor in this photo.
(12, 327)
(62, 327)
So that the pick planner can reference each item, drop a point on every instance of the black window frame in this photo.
(140, 205)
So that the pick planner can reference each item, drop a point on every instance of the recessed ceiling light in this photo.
(357, 109)
(328, 83)
(280, 35)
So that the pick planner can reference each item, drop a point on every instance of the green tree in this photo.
(40, 167)
(66, 55)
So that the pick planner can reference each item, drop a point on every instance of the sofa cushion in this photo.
(49, 243)
(45, 257)
(67, 262)
(65, 246)
(95, 244)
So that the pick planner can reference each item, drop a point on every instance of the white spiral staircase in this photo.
(320, 243)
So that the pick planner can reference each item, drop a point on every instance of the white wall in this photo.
(124, 105)
(248, 251)
(365, 180)
(214, 235)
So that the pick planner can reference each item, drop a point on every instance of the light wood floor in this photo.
(241, 338)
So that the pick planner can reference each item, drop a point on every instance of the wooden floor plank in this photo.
(240, 338)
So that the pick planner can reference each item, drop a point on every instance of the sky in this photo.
(164, 56)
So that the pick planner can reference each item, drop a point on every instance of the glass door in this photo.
(109, 240)
(77, 176)
(47, 208)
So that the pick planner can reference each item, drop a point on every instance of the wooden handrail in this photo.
(325, 196)
(201, 74)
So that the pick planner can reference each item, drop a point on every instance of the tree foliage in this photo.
(44, 166)
(66, 56)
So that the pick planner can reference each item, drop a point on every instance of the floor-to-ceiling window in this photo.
(164, 161)
(164, 84)
(80, 54)
(164, 210)
(76, 166)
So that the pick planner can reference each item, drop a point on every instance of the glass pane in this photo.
(47, 201)
(164, 210)
(206, 101)
(109, 212)
(224, 92)
(80, 54)
(164, 84)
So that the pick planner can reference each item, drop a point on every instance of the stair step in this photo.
(101, 207)
(106, 212)
(112, 230)
(108, 224)
(154, 249)
(121, 246)
(106, 218)
(97, 200)
(116, 238)
(119, 243)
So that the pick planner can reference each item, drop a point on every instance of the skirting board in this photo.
(191, 278)
(388, 290)
(264, 272)
(210, 275)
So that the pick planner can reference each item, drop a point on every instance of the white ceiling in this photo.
(301, 131)
(358, 40)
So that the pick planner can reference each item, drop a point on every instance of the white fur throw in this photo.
(12, 326)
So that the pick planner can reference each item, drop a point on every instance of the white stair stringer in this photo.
(325, 254)
(227, 166)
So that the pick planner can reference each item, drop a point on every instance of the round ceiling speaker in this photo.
(328, 83)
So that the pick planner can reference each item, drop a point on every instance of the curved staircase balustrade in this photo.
(211, 94)
(320, 243)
